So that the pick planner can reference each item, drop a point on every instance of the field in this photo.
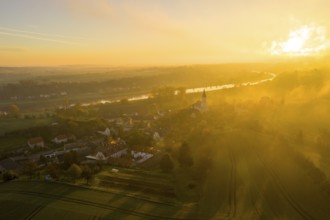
(144, 183)
(12, 124)
(39, 200)
(18, 140)
(255, 181)
(259, 152)
(249, 181)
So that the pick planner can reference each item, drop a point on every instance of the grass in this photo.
(147, 184)
(11, 143)
(177, 186)
(14, 124)
(40, 200)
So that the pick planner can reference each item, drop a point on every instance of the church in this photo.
(201, 105)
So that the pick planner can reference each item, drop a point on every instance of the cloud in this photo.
(35, 36)
(38, 33)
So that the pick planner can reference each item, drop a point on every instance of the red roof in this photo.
(36, 140)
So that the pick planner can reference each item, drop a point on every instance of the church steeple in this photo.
(203, 102)
(201, 105)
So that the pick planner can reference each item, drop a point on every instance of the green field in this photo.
(13, 124)
(250, 181)
(38, 200)
(12, 142)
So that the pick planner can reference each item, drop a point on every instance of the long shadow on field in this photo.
(215, 196)
(132, 207)
(31, 198)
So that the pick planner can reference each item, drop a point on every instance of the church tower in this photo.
(203, 102)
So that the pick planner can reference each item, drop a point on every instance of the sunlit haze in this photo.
(304, 41)
(165, 109)
(165, 32)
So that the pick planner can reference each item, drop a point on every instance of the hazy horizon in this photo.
(162, 33)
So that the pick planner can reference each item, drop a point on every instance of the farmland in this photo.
(258, 152)
(256, 180)
(197, 110)
(59, 201)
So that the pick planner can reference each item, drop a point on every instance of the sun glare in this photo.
(305, 41)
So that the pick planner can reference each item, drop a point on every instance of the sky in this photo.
(159, 32)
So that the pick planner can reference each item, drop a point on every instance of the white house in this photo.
(156, 136)
(141, 156)
(63, 138)
(99, 157)
(60, 139)
(119, 153)
(106, 132)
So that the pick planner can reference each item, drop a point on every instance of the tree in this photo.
(185, 158)
(9, 175)
(75, 171)
(87, 173)
(53, 171)
(138, 138)
(69, 159)
(43, 159)
(166, 163)
(14, 110)
(30, 167)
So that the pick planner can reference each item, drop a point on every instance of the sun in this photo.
(307, 40)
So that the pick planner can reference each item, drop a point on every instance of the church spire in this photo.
(203, 102)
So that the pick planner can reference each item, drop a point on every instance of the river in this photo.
(188, 91)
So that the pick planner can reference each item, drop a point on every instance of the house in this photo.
(63, 138)
(140, 157)
(98, 157)
(125, 122)
(119, 153)
(156, 136)
(36, 142)
(106, 132)
(3, 114)
(60, 139)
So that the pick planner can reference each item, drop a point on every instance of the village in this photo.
(104, 147)
(130, 141)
